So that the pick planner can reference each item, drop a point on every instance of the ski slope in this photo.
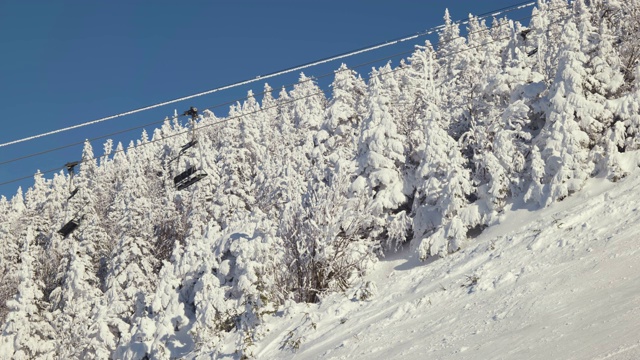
(557, 283)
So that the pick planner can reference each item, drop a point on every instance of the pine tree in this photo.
(451, 53)
(75, 303)
(309, 105)
(289, 168)
(131, 269)
(565, 142)
(209, 280)
(381, 156)
(501, 140)
(157, 335)
(627, 111)
(440, 219)
(26, 333)
(343, 121)
(12, 231)
(8, 258)
(547, 26)
(308, 108)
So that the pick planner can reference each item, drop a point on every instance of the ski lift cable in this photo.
(251, 113)
(240, 116)
(79, 143)
(167, 137)
(269, 75)
(243, 98)
(440, 43)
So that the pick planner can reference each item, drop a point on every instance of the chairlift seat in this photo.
(189, 145)
(73, 193)
(199, 176)
(184, 175)
(69, 227)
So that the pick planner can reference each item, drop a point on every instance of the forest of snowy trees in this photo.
(305, 192)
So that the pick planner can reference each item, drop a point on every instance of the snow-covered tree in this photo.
(441, 219)
(381, 156)
(11, 228)
(340, 131)
(325, 240)
(565, 148)
(27, 332)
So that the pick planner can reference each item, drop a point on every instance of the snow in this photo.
(300, 198)
(556, 283)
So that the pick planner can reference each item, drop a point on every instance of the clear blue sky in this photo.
(68, 62)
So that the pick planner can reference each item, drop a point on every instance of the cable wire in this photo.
(239, 116)
(267, 76)
(440, 43)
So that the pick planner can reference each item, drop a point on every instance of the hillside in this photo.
(558, 283)
(396, 191)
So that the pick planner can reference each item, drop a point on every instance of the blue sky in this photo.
(69, 62)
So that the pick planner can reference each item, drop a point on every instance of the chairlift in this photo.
(73, 193)
(192, 174)
(184, 149)
(178, 179)
(189, 145)
(194, 179)
(69, 227)
(74, 223)
(70, 165)
(524, 34)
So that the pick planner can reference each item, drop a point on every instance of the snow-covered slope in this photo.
(559, 283)
(303, 190)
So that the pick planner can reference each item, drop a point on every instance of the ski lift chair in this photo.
(69, 227)
(188, 177)
(73, 224)
(524, 34)
(188, 146)
(192, 175)
(73, 193)
(71, 165)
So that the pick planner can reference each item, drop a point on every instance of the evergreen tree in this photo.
(451, 53)
(440, 220)
(565, 142)
(13, 231)
(627, 111)
(343, 121)
(74, 304)
(380, 158)
(308, 109)
(131, 276)
(27, 332)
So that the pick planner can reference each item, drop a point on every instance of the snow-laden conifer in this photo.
(27, 332)
(344, 116)
(565, 142)
(381, 155)
(440, 223)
